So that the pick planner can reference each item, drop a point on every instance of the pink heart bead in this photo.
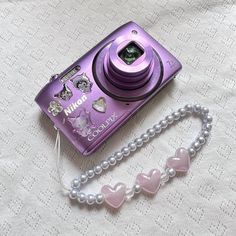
(114, 196)
(150, 182)
(180, 162)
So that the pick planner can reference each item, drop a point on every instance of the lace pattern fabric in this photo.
(40, 38)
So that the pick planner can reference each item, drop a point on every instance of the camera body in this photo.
(98, 93)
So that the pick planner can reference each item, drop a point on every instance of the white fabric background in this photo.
(39, 38)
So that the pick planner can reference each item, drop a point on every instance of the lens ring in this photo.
(125, 82)
(123, 94)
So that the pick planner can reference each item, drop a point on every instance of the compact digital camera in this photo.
(98, 93)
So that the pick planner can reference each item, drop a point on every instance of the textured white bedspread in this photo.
(39, 38)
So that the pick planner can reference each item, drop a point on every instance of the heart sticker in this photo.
(100, 105)
(180, 162)
(114, 196)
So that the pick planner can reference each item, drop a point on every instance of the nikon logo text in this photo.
(73, 106)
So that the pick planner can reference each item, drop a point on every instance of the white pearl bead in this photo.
(208, 126)
(201, 140)
(205, 133)
(132, 146)
(182, 112)
(90, 174)
(139, 142)
(73, 194)
(118, 156)
(98, 169)
(170, 119)
(192, 152)
(75, 183)
(176, 115)
(125, 151)
(157, 128)
(189, 108)
(145, 137)
(104, 164)
(209, 119)
(81, 198)
(137, 188)
(205, 110)
(197, 108)
(196, 145)
(171, 172)
(83, 178)
(99, 198)
(90, 199)
(151, 132)
(112, 160)
(164, 124)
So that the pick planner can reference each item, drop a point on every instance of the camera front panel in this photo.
(98, 93)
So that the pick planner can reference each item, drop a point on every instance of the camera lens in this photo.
(127, 68)
(130, 53)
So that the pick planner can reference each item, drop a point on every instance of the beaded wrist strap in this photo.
(147, 183)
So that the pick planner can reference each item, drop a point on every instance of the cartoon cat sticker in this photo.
(82, 123)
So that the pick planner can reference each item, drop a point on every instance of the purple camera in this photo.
(97, 94)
